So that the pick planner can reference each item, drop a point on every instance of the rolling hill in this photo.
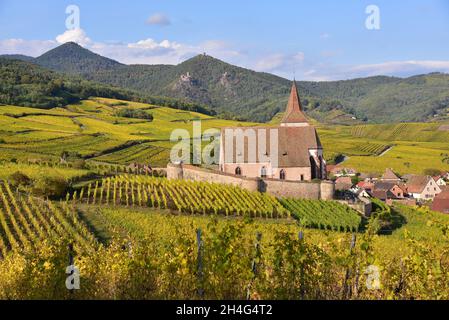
(238, 93)
(26, 84)
(72, 58)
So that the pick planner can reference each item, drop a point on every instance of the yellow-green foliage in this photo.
(92, 128)
(36, 171)
(191, 197)
(414, 147)
(330, 215)
(26, 221)
(154, 255)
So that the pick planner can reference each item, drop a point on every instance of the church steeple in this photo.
(294, 115)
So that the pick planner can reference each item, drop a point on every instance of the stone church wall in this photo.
(307, 190)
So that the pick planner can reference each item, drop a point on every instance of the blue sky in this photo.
(312, 40)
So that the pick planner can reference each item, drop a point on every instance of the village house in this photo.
(441, 202)
(368, 177)
(343, 184)
(440, 181)
(366, 185)
(423, 188)
(387, 190)
(360, 192)
(299, 149)
(337, 172)
(390, 176)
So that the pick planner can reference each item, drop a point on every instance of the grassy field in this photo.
(407, 148)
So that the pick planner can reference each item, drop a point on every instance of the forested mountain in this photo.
(72, 58)
(17, 57)
(27, 84)
(239, 93)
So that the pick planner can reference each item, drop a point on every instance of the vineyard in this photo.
(26, 221)
(372, 148)
(188, 197)
(141, 153)
(422, 132)
(328, 215)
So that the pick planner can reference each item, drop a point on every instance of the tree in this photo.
(432, 172)
(50, 186)
(19, 179)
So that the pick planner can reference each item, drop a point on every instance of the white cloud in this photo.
(32, 48)
(402, 67)
(325, 35)
(330, 53)
(75, 35)
(281, 64)
(220, 49)
(328, 72)
(159, 19)
(151, 44)
(299, 57)
(151, 51)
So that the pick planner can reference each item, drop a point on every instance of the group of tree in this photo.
(26, 84)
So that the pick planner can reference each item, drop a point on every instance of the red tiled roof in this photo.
(344, 180)
(441, 205)
(365, 185)
(384, 186)
(416, 184)
(390, 175)
(443, 195)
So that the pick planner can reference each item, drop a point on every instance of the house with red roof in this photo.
(423, 188)
(441, 202)
(390, 176)
(439, 181)
(343, 184)
(387, 190)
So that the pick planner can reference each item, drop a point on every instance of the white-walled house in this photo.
(439, 181)
(423, 188)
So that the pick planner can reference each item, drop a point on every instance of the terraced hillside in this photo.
(405, 147)
(26, 221)
(92, 130)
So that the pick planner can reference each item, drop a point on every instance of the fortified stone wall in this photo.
(307, 190)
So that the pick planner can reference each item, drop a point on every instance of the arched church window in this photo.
(282, 175)
(238, 171)
(263, 172)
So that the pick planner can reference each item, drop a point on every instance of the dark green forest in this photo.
(26, 84)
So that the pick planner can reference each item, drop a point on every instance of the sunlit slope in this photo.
(92, 130)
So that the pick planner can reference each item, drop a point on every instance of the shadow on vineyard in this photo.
(389, 218)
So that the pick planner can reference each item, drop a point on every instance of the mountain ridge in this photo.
(239, 93)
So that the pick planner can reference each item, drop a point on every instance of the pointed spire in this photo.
(294, 113)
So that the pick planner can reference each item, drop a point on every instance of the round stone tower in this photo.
(327, 189)
(175, 171)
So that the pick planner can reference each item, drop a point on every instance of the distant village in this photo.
(408, 189)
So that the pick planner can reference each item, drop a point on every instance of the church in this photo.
(291, 151)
